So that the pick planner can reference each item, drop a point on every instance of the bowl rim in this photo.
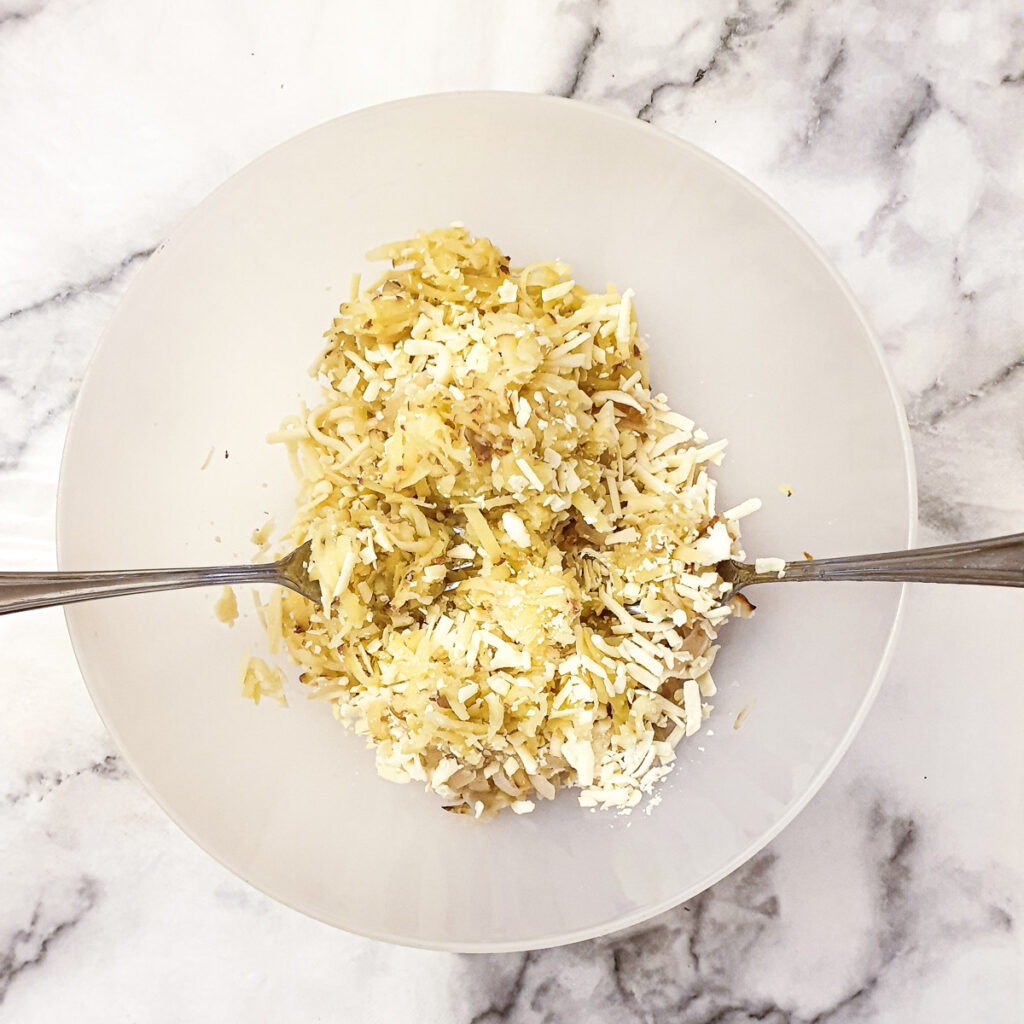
(643, 913)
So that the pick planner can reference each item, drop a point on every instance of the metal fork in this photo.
(997, 562)
(20, 591)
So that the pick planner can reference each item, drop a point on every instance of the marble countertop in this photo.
(892, 132)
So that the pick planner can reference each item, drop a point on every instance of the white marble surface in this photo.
(895, 134)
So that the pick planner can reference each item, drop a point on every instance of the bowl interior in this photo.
(751, 334)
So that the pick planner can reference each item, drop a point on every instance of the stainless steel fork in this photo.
(20, 591)
(997, 562)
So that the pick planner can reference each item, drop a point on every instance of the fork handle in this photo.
(20, 591)
(997, 562)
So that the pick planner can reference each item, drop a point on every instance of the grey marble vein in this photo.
(737, 29)
(44, 347)
(827, 94)
(586, 51)
(13, 14)
(923, 106)
(1004, 377)
(92, 285)
(30, 945)
(37, 785)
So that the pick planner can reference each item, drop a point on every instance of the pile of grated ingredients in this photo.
(515, 540)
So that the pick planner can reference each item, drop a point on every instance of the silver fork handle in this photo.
(997, 562)
(20, 591)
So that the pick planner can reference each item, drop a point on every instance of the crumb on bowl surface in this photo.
(226, 608)
(262, 680)
(515, 540)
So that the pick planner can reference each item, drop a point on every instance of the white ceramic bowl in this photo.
(751, 332)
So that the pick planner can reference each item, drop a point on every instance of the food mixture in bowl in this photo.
(515, 540)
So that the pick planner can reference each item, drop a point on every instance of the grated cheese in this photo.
(514, 539)
(516, 529)
(744, 508)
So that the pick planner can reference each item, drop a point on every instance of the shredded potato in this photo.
(515, 540)
(261, 680)
(226, 607)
